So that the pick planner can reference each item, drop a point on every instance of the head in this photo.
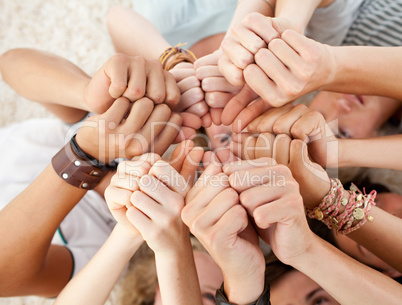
(140, 284)
(218, 135)
(359, 116)
(291, 287)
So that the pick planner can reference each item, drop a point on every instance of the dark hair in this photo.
(275, 269)
(365, 184)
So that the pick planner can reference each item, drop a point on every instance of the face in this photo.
(390, 202)
(359, 116)
(219, 136)
(295, 288)
(209, 276)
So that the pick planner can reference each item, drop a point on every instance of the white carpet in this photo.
(74, 29)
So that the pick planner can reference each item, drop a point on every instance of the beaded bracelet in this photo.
(357, 208)
(174, 55)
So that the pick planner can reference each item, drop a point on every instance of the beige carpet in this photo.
(74, 29)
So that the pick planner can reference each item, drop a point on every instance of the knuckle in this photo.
(245, 198)
(120, 57)
(249, 18)
(260, 218)
(231, 195)
(301, 108)
(262, 55)
(163, 108)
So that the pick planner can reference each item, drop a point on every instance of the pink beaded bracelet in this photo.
(357, 208)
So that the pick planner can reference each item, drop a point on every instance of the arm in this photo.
(381, 236)
(298, 13)
(66, 90)
(378, 69)
(29, 263)
(46, 78)
(277, 209)
(215, 217)
(134, 35)
(381, 152)
(369, 285)
(300, 122)
(93, 284)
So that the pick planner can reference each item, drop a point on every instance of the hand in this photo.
(214, 216)
(299, 122)
(242, 43)
(289, 68)
(133, 78)
(243, 108)
(192, 96)
(126, 130)
(149, 179)
(218, 91)
(124, 182)
(158, 203)
(312, 178)
(271, 197)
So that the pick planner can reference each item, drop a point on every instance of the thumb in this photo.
(180, 153)
(191, 164)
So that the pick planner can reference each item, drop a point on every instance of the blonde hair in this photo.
(140, 281)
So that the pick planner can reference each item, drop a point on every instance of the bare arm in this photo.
(336, 273)
(93, 284)
(381, 152)
(46, 78)
(382, 237)
(280, 217)
(366, 70)
(298, 13)
(132, 34)
(29, 264)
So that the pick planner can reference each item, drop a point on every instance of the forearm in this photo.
(367, 70)
(27, 226)
(381, 152)
(382, 237)
(298, 12)
(345, 279)
(93, 284)
(45, 78)
(244, 289)
(133, 35)
(244, 7)
(177, 276)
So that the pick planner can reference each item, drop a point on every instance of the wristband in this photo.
(174, 55)
(78, 168)
(221, 298)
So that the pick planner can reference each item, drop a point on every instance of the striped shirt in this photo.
(379, 23)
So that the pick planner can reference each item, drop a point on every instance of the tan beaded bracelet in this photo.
(174, 55)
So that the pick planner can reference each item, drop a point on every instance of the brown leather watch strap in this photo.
(221, 298)
(77, 168)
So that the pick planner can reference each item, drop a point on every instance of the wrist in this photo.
(262, 299)
(244, 288)
(128, 235)
(336, 68)
(342, 152)
(331, 64)
(77, 168)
